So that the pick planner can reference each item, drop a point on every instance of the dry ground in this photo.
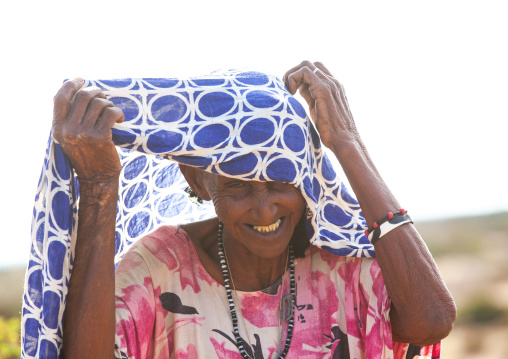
(472, 254)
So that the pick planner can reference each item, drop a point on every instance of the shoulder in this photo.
(166, 245)
(349, 269)
(163, 238)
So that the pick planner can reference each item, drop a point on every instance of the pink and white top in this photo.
(168, 306)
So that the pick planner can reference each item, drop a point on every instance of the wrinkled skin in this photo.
(84, 131)
(422, 308)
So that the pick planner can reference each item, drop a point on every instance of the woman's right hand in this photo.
(83, 129)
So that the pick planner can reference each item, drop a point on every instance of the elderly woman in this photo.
(246, 283)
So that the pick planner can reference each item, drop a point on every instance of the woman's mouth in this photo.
(269, 228)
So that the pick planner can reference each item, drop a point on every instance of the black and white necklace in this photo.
(292, 290)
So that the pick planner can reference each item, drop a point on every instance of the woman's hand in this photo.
(329, 108)
(83, 129)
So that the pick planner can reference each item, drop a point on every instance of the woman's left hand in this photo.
(328, 105)
(422, 310)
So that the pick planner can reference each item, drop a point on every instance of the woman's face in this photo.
(261, 216)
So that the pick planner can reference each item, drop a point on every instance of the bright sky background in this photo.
(426, 82)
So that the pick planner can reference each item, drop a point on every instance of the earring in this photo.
(193, 196)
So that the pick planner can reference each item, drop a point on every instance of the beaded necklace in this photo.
(234, 318)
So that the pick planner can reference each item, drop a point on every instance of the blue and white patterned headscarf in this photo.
(238, 124)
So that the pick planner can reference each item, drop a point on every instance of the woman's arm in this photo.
(423, 310)
(83, 130)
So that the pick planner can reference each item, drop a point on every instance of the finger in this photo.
(296, 68)
(109, 117)
(302, 76)
(80, 104)
(63, 98)
(94, 111)
(305, 93)
(323, 68)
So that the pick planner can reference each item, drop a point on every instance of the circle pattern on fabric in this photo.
(164, 141)
(120, 137)
(61, 216)
(35, 282)
(172, 205)
(117, 84)
(297, 107)
(128, 106)
(138, 224)
(135, 194)
(51, 315)
(162, 83)
(168, 108)
(208, 82)
(56, 256)
(48, 349)
(262, 99)
(31, 328)
(327, 169)
(256, 131)
(167, 176)
(336, 215)
(135, 168)
(281, 170)
(294, 138)
(248, 163)
(215, 104)
(211, 135)
(62, 164)
(252, 78)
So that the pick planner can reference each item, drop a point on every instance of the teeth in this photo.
(270, 228)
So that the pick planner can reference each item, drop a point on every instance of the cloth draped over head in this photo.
(238, 124)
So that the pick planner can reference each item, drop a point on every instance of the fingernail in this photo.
(77, 79)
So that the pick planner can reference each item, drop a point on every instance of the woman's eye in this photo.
(234, 185)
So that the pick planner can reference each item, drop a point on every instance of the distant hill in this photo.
(465, 235)
(11, 282)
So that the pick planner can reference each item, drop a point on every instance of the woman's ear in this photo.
(194, 178)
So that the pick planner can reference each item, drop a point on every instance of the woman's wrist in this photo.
(348, 150)
(98, 191)
(374, 196)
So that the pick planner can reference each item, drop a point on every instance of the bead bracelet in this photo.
(388, 216)
(388, 226)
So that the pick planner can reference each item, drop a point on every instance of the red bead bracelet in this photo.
(388, 216)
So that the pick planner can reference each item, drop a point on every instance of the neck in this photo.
(251, 273)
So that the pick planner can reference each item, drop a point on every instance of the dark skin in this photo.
(422, 310)
(241, 205)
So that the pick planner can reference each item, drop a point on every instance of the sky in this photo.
(426, 83)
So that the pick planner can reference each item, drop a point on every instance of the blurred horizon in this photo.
(23, 263)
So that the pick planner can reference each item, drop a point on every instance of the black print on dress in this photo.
(172, 303)
(123, 354)
(300, 308)
(258, 350)
(413, 351)
(342, 349)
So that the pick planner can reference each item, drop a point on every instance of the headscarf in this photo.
(241, 124)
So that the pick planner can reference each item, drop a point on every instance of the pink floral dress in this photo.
(168, 306)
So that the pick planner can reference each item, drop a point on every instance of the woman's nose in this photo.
(264, 204)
